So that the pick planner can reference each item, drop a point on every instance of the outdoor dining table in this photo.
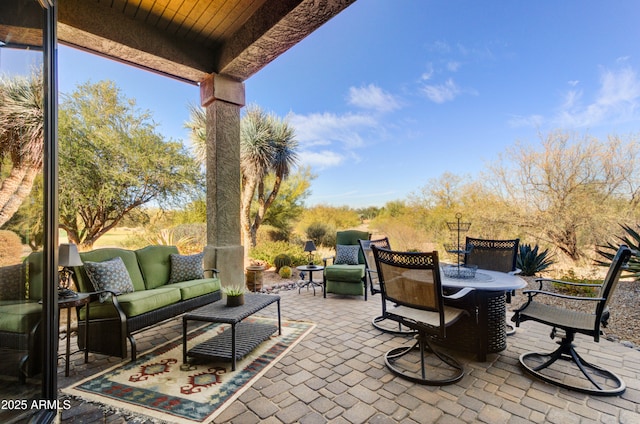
(489, 302)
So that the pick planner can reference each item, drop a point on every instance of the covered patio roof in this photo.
(190, 39)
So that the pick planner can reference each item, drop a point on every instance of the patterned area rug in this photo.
(156, 386)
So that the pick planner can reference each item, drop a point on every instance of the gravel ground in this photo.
(623, 326)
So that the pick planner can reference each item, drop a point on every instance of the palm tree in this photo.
(267, 146)
(21, 140)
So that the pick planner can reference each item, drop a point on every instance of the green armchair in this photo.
(345, 272)
(20, 313)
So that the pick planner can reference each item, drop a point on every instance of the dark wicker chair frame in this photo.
(374, 284)
(494, 255)
(598, 380)
(411, 280)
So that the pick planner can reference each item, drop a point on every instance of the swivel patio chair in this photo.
(344, 273)
(566, 323)
(411, 280)
(374, 284)
(494, 255)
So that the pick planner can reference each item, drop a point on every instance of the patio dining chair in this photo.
(374, 284)
(411, 280)
(573, 372)
(494, 255)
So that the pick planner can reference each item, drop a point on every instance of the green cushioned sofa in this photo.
(346, 279)
(20, 314)
(153, 300)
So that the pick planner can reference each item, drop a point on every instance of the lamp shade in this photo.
(309, 246)
(68, 255)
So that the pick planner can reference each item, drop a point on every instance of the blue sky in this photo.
(390, 94)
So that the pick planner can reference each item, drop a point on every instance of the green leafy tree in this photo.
(113, 161)
(21, 140)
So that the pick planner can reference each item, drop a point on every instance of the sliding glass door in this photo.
(28, 210)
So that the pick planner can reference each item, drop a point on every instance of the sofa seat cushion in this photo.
(135, 303)
(195, 288)
(19, 317)
(346, 273)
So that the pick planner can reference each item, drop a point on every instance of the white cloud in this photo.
(534, 121)
(322, 159)
(453, 66)
(320, 129)
(372, 97)
(618, 100)
(442, 92)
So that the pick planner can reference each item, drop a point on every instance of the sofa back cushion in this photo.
(99, 255)
(12, 282)
(35, 275)
(155, 264)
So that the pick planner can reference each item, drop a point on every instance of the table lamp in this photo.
(67, 257)
(310, 247)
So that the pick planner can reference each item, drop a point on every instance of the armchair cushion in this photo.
(109, 275)
(20, 317)
(186, 268)
(347, 254)
(345, 273)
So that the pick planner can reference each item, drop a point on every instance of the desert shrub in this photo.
(285, 272)
(571, 277)
(268, 233)
(281, 260)
(194, 236)
(10, 248)
(318, 232)
(267, 251)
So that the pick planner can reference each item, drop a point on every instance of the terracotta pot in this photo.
(254, 276)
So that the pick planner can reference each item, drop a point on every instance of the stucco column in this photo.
(222, 99)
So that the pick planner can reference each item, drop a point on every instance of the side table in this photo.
(74, 302)
(310, 270)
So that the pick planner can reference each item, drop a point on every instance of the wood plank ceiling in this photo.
(190, 39)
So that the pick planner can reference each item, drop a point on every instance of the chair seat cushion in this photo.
(429, 318)
(345, 273)
(19, 317)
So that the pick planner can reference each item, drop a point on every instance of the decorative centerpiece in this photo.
(459, 270)
(235, 295)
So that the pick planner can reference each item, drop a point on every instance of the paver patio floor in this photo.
(337, 374)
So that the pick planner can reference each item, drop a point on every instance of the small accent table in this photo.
(313, 284)
(74, 302)
(241, 338)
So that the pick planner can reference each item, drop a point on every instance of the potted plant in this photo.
(235, 295)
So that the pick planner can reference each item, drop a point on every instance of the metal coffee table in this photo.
(238, 340)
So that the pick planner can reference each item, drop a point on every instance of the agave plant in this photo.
(631, 239)
(530, 262)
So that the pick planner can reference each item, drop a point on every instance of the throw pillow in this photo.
(347, 254)
(12, 281)
(109, 275)
(186, 267)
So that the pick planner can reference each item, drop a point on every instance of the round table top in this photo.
(486, 280)
(310, 268)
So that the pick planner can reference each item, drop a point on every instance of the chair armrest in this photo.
(540, 281)
(532, 293)
(460, 294)
(328, 258)
(213, 272)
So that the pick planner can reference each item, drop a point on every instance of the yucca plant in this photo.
(530, 262)
(631, 239)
